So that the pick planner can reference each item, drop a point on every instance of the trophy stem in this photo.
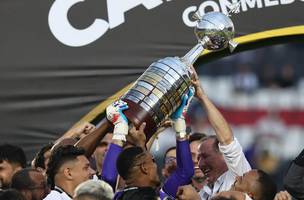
(193, 54)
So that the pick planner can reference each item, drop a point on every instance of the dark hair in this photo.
(267, 186)
(215, 143)
(219, 197)
(12, 154)
(21, 180)
(11, 194)
(39, 158)
(126, 161)
(59, 157)
(196, 137)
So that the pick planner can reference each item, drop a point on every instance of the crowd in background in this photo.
(278, 66)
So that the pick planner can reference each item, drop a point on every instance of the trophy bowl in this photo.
(215, 29)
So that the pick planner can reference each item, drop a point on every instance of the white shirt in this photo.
(57, 194)
(237, 165)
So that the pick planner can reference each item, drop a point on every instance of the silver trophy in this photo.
(157, 92)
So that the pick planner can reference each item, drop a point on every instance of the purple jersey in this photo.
(109, 172)
(184, 171)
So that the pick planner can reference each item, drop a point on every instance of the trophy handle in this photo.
(195, 52)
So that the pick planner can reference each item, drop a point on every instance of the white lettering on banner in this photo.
(251, 4)
(188, 12)
(117, 9)
(70, 36)
(66, 33)
(203, 7)
(269, 3)
(283, 2)
(62, 29)
(225, 6)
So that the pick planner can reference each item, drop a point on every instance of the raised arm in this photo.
(118, 119)
(230, 148)
(185, 169)
(216, 119)
(90, 141)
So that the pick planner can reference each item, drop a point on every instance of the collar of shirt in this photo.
(62, 192)
(207, 192)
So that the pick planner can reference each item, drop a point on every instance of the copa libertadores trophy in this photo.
(157, 92)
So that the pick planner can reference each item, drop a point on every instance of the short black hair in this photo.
(39, 158)
(219, 197)
(196, 136)
(215, 142)
(11, 194)
(267, 186)
(59, 157)
(126, 161)
(12, 154)
(21, 180)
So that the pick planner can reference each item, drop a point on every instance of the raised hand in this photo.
(196, 83)
(178, 116)
(119, 120)
(137, 137)
(187, 192)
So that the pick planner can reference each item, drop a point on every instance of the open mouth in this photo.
(206, 171)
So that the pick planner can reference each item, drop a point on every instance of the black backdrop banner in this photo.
(60, 58)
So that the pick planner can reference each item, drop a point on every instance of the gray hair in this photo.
(95, 188)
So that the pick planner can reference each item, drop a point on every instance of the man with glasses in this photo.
(30, 183)
(169, 162)
(139, 170)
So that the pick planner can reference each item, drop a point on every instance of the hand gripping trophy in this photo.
(157, 92)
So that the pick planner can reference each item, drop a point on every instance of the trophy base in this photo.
(137, 115)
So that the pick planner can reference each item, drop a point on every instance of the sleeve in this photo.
(294, 179)
(235, 158)
(109, 172)
(185, 169)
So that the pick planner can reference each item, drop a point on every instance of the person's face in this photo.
(151, 168)
(246, 183)
(81, 170)
(210, 161)
(170, 163)
(194, 146)
(7, 170)
(40, 188)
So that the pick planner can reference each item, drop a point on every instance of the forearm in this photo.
(91, 141)
(184, 171)
(109, 172)
(217, 121)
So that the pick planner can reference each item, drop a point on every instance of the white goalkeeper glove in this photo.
(178, 117)
(118, 119)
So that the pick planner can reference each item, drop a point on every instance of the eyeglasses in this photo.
(170, 159)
